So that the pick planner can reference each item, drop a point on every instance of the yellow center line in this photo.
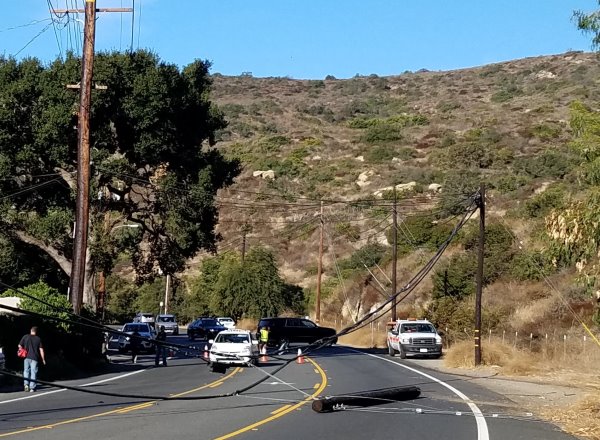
(116, 411)
(214, 385)
(283, 408)
(317, 385)
(283, 411)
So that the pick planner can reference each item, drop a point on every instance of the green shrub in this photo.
(382, 133)
(272, 144)
(550, 163)
(509, 92)
(455, 278)
(348, 230)
(370, 254)
(379, 154)
(531, 266)
(448, 106)
(541, 204)
(545, 132)
(509, 182)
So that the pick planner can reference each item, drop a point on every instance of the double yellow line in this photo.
(286, 409)
(125, 410)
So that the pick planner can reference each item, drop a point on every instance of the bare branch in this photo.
(67, 177)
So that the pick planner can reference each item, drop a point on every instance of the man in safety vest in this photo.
(264, 337)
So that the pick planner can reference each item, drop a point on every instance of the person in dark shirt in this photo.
(35, 352)
(161, 349)
(134, 344)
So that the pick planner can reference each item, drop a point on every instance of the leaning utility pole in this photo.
(479, 275)
(394, 255)
(319, 270)
(83, 149)
(83, 159)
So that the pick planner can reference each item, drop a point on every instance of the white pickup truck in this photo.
(414, 338)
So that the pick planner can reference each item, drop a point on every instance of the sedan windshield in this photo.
(232, 338)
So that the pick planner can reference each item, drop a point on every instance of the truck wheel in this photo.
(391, 351)
(402, 353)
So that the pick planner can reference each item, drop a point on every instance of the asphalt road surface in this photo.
(450, 407)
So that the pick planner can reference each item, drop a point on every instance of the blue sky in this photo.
(312, 38)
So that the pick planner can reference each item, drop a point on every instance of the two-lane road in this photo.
(279, 408)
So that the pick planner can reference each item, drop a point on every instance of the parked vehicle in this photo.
(169, 322)
(414, 338)
(204, 328)
(226, 322)
(233, 347)
(144, 317)
(144, 329)
(295, 330)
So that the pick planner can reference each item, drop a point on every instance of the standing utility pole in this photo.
(479, 275)
(167, 288)
(83, 159)
(394, 255)
(319, 270)
(77, 281)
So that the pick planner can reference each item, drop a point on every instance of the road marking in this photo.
(285, 411)
(317, 385)
(136, 407)
(33, 396)
(482, 428)
(283, 408)
(214, 385)
(119, 410)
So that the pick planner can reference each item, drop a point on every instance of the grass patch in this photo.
(509, 359)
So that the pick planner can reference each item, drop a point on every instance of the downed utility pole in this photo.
(480, 255)
(83, 150)
(366, 398)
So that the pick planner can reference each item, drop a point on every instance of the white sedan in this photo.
(234, 347)
(226, 322)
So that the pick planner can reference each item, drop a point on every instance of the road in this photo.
(449, 407)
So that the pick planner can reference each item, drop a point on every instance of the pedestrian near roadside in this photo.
(35, 353)
(135, 343)
(264, 338)
(160, 348)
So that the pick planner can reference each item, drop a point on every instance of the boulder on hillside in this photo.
(435, 187)
(360, 158)
(401, 187)
(268, 174)
(363, 178)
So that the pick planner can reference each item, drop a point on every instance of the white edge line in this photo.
(482, 428)
(33, 396)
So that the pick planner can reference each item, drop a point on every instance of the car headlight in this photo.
(127, 338)
(405, 340)
(438, 340)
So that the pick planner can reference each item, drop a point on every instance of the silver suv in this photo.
(169, 322)
(144, 317)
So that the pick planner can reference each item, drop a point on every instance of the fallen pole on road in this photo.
(366, 398)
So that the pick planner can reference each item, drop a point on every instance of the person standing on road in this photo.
(135, 343)
(264, 338)
(160, 348)
(35, 352)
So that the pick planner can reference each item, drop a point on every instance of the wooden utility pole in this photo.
(77, 281)
(245, 230)
(480, 256)
(319, 270)
(394, 255)
(83, 159)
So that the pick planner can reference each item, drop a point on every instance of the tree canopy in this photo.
(153, 161)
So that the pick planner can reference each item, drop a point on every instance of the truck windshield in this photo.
(166, 319)
(417, 328)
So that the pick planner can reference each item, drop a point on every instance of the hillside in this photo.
(347, 140)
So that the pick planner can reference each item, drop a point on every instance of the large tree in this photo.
(153, 161)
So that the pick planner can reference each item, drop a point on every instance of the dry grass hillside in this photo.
(347, 140)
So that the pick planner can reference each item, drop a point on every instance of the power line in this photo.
(33, 39)
(31, 23)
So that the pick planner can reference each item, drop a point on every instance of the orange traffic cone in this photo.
(300, 358)
(263, 352)
(205, 351)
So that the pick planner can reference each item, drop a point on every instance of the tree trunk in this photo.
(89, 294)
